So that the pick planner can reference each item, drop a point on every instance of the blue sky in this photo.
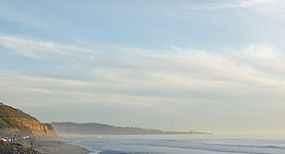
(211, 65)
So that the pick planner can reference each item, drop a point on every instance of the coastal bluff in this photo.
(14, 121)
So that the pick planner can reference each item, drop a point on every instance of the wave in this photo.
(122, 152)
(247, 146)
(140, 145)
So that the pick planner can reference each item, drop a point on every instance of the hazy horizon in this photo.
(215, 66)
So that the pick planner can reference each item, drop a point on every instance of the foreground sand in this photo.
(55, 147)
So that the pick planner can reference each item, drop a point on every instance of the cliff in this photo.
(15, 120)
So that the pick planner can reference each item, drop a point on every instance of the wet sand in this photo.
(55, 147)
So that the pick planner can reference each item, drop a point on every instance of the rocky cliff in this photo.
(15, 120)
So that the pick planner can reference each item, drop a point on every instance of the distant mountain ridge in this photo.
(71, 128)
(13, 120)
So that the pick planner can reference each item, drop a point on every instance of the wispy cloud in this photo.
(244, 4)
(43, 49)
(242, 81)
(56, 92)
(11, 14)
(174, 73)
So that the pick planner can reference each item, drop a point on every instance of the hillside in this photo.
(71, 128)
(15, 120)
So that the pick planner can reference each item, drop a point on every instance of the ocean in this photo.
(180, 144)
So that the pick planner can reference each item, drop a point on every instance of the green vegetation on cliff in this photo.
(4, 123)
(9, 116)
(15, 120)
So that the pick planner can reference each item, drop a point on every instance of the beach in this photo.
(56, 147)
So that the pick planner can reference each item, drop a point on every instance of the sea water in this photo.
(180, 144)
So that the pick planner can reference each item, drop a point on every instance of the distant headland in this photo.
(71, 128)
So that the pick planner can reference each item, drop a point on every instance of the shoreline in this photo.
(57, 147)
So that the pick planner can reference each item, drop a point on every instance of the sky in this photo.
(207, 65)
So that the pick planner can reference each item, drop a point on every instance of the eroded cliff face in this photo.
(14, 119)
(36, 127)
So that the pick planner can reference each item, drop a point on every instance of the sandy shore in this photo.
(55, 147)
